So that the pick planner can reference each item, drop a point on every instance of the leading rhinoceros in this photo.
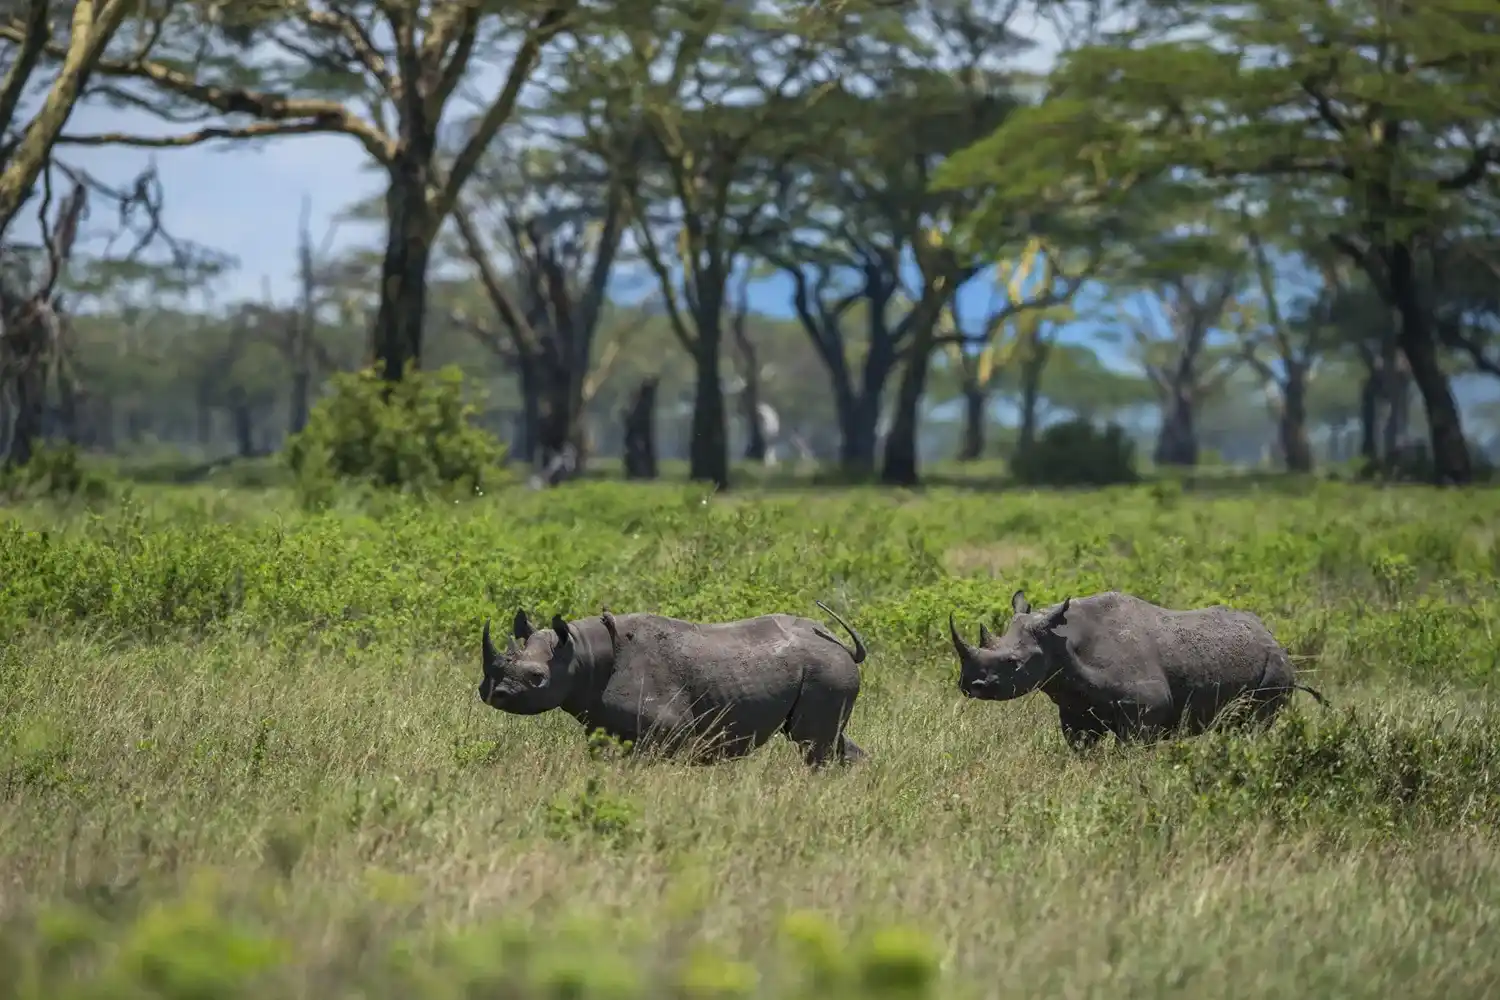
(722, 688)
(1113, 663)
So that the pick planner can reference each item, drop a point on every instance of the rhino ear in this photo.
(560, 626)
(1019, 604)
(1057, 616)
(521, 628)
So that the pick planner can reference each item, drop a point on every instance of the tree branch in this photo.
(256, 130)
(501, 109)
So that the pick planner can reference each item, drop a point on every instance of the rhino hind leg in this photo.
(816, 723)
(851, 752)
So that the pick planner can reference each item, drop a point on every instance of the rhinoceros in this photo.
(1117, 664)
(721, 688)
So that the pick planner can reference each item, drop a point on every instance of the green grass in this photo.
(240, 754)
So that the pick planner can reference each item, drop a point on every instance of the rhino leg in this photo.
(851, 752)
(816, 722)
(1081, 729)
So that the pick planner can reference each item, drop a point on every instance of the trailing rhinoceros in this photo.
(722, 688)
(1113, 663)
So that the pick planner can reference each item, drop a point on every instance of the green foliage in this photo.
(202, 944)
(414, 435)
(55, 472)
(1076, 453)
(304, 726)
(593, 813)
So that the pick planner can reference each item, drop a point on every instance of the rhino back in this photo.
(1190, 650)
(747, 672)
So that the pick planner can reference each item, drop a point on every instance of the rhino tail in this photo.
(1317, 695)
(858, 652)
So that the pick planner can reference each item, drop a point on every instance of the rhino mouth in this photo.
(511, 699)
(981, 688)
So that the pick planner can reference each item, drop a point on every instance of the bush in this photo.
(1076, 453)
(55, 473)
(414, 435)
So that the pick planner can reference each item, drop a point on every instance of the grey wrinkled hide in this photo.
(721, 689)
(1113, 663)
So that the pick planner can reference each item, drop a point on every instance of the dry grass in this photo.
(379, 793)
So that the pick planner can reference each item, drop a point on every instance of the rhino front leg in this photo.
(816, 722)
(1081, 729)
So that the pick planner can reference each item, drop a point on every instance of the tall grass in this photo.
(240, 753)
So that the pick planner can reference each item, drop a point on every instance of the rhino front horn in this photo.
(965, 651)
(487, 645)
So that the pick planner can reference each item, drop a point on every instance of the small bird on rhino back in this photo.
(1114, 663)
(719, 690)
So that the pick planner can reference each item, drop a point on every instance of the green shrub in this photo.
(54, 473)
(1076, 453)
(414, 435)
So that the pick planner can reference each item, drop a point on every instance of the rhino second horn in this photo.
(984, 636)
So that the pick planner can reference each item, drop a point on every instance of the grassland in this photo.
(241, 755)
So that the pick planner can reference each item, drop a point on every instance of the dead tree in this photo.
(1176, 359)
(749, 368)
(640, 431)
(546, 277)
(34, 350)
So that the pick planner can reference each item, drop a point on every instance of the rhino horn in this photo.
(965, 651)
(488, 646)
(984, 636)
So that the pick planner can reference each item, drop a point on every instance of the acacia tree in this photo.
(860, 216)
(1285, 349)
(694, 105)
(1015, 338)
(1380, 116)
(382, 72)
(27, 32)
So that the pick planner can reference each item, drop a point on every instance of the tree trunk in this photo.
(708, 454)
(1177, 443)
(397, 337)
(243, 419)
(68, 400)
(1030, 396)
(1296, 447)
(900, 467)
(640, 432)
(1450, 452)
(531, 408)
(1369, 406)
(749, 365)
(26, 421)
(975, 400)
(301, 401)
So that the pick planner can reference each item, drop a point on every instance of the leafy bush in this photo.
(1076, 453)
(206, 943)
(55, 473)
(414, 435)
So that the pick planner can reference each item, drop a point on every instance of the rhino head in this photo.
(535, 673)
(1016, 663)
